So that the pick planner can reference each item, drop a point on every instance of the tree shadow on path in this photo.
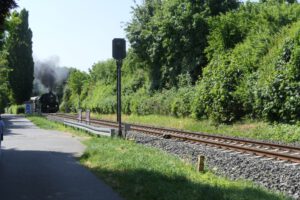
(150, 185)
(39, 175)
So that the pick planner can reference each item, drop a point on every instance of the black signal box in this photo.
(119, 48)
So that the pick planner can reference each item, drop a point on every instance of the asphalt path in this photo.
(37, 164)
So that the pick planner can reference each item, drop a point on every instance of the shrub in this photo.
(280, 93)
(16, 109)
(181, 104)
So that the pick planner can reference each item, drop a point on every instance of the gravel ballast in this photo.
(274, 175)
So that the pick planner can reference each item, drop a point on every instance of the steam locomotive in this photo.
(49, 103)
(46, 103)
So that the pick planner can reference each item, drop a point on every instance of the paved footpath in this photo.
(38, 164)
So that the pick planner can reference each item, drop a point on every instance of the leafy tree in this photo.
(248, 62)
(104, 71)
(216, 7)
(278, 1)
(5, 6)
(76, 82)
(4, 86)
(140, 33)
(170, 36)
(19, 47)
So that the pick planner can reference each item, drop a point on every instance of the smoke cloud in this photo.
(48, 76)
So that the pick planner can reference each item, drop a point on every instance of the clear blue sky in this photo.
(79, 32)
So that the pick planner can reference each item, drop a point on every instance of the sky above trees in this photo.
(76, 33)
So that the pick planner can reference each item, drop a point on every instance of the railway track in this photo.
(263, 149)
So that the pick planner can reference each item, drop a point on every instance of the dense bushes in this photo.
(175, 102)
(280, 86)
(99, 95)
(16, 109)
(228, 89)
(252, 56)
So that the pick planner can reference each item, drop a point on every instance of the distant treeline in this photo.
(222, 60)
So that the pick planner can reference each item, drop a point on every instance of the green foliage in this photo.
(5, 6)
(106, 72)
(215, 7)
(176, 102)
(76, 81)
(145, 103)
(215, 95)
(227, 90)
(170, 36)
(280, 90)
(19, 47)
(4, 87)
(66, 105)
(101, 98)
(16, 109)
(77, 90)
(221, 60)
(181, 103)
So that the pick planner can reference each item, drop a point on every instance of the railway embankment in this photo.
(273, 174)
(139, 172)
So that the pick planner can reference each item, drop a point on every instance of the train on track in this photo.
(46, 103)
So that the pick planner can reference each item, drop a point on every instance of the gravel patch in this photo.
(279, 176)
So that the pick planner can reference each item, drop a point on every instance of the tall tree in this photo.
(216, 7)
(4, 87)
(5, 6)
(170, 36)
(141, 34)
(19, 47)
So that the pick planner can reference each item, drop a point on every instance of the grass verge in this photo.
(142, 173)
(248, 129)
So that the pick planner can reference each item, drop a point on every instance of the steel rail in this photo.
(254, 151)
(291, 153)
(203, 135)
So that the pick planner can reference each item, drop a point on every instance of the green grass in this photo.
(137, 172)
(250, 129)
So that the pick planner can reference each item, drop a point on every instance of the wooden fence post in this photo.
(200, 166)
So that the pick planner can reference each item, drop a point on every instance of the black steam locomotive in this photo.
(48, 103)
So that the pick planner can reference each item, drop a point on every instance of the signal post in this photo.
(119, 53)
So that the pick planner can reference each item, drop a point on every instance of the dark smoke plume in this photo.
(49, 77)
(46, 76)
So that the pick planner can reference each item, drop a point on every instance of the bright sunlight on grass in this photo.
(249, 129)
(143, 173)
